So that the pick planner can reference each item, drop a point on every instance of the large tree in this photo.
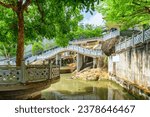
(126, 13)
(42, 8)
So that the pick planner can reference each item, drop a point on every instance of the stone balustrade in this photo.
(10, 74)
(28, 73)
(53, 52)
(111, 35)
(133, 41)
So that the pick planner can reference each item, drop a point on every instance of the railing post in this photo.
(51, 66)
(143, 36)
(23, 76)
(132, 40)
(8, 63)
(27, 62)
(119, 46)
(44, 62)
(125, 42)
(49, 69)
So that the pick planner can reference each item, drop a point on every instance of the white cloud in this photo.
(95, 19)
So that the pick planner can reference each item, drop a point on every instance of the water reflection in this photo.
(69, 89)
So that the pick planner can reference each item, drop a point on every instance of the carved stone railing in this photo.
(34, 73)
(78, 49)
(28, 73)
(55, 71)
(111, 35)
(10, 74)
(133, 41)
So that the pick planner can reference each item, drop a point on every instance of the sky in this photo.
(95, 19)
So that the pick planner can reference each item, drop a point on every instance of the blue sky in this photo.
(95, 19)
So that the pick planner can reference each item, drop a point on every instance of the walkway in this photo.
(107, 36)
(133, 41)
(78, 49)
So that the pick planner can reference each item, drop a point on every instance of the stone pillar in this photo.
(79, 62)
(98, 63)
(94, 63)
(58, 59)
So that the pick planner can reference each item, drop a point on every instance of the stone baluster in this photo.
(94, 62)
(28, 62)
(143, 36)
(44, 62)
(132, 40)
(8, 63)
(50, 70)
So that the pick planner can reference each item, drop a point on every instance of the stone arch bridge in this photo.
(81, 52)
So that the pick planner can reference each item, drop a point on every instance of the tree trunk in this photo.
(20, 41)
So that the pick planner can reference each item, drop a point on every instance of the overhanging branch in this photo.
(8, 6)
(26, 4)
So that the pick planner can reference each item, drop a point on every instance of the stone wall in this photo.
(133, 65)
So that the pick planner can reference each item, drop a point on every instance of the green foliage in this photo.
(87, 31)
(50, 19)
(89, 5)
(126, 13)
(37, 48)
(42, 18)
(7, 49)
(49, 45)
(8, 33)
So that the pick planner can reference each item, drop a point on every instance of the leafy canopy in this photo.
(42, 18)
(126, 13)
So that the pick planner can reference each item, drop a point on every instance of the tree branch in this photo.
(40, 10)
(8, 6)
(26, 4)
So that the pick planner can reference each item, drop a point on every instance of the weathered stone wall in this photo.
(133, 65)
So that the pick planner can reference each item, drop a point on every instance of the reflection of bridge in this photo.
(20, 82)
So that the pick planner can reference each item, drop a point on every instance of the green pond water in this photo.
(75, 89)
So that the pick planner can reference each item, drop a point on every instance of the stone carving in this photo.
(35, 73)
(55, 72)
(10, 76)
(32, 73)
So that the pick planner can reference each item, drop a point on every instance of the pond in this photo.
(75, 89)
